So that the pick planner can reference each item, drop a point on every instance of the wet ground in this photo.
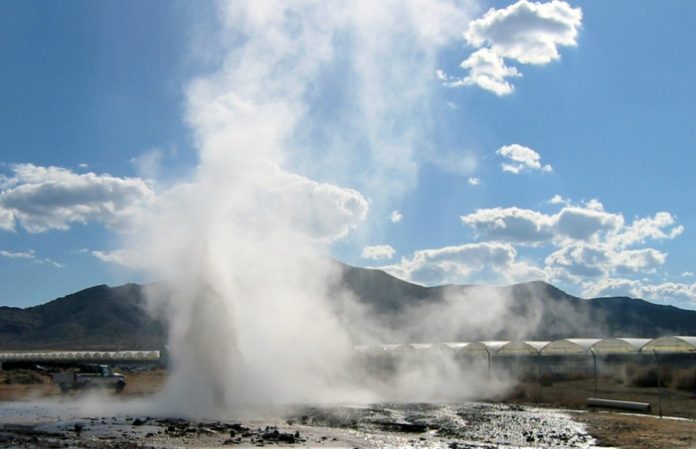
(446, 426)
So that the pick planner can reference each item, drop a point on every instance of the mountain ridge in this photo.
(103, 317)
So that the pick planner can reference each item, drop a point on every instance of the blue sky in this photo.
(505, 142)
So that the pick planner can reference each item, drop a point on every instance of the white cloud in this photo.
(590, 242)
(18, 254)
(471, 262)
(7, 221)
(582, 223)
(30, 255)
(523, 158)
(473, 181)
(123, 257)
(396, 216)
(645, 260)
(687, 274)
(378, 252)
(579, 260)
(43, 198)
(558, 199)
(488, 71)
(680, 294)
(528, 32)
(659, 227)
(582, 260)
(525, 32)
(531, 227)
(511, 225)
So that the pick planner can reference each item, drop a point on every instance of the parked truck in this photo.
(90, 376)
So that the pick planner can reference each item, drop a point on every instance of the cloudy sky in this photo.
(460, 142)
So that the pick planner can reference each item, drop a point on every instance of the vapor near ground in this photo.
(243, 244)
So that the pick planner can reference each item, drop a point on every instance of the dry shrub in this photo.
(23, 377)
(685, 380)
(647, 377)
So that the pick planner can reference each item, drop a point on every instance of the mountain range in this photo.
(109, 318)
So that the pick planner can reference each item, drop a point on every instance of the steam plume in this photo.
(309, 97)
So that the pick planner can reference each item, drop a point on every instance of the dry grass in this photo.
(633, 431)
(618, 429)
(26, 385)
(573, 394)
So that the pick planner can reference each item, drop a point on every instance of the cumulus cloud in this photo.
(42, 198)
(378, 252)
(488, 71)
(525, 32)
(660, 227)
(473, 181)
(600, 260)
(522, 158)
(511, 224)
(528, 32)
(579, 260)
(471, 262)
(582, 223)
(590, 242)
(532, 227)
(30, 255)
(396, 216)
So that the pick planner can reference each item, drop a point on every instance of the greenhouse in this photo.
(670, 345)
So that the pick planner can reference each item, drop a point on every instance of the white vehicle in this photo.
(90, 376)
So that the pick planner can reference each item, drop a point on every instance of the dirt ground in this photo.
(609, 428)
(615, 428)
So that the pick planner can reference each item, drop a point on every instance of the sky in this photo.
(485, 142)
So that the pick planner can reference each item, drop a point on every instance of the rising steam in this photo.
(310, 98)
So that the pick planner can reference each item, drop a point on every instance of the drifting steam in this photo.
(254, 307)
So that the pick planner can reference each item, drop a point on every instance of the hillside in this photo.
(98, 317)
(104, 317)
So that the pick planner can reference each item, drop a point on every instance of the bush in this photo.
(647, 377)
(23, 377)
(686, 381)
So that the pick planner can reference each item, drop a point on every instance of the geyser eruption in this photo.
(309, 97)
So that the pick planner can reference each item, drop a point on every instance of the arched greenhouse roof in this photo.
(671, 344)
(451, 346)
(522, 348)
(619, 345)
(569, 346)
(489, 347)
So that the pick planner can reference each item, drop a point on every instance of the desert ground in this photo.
(558, 418)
